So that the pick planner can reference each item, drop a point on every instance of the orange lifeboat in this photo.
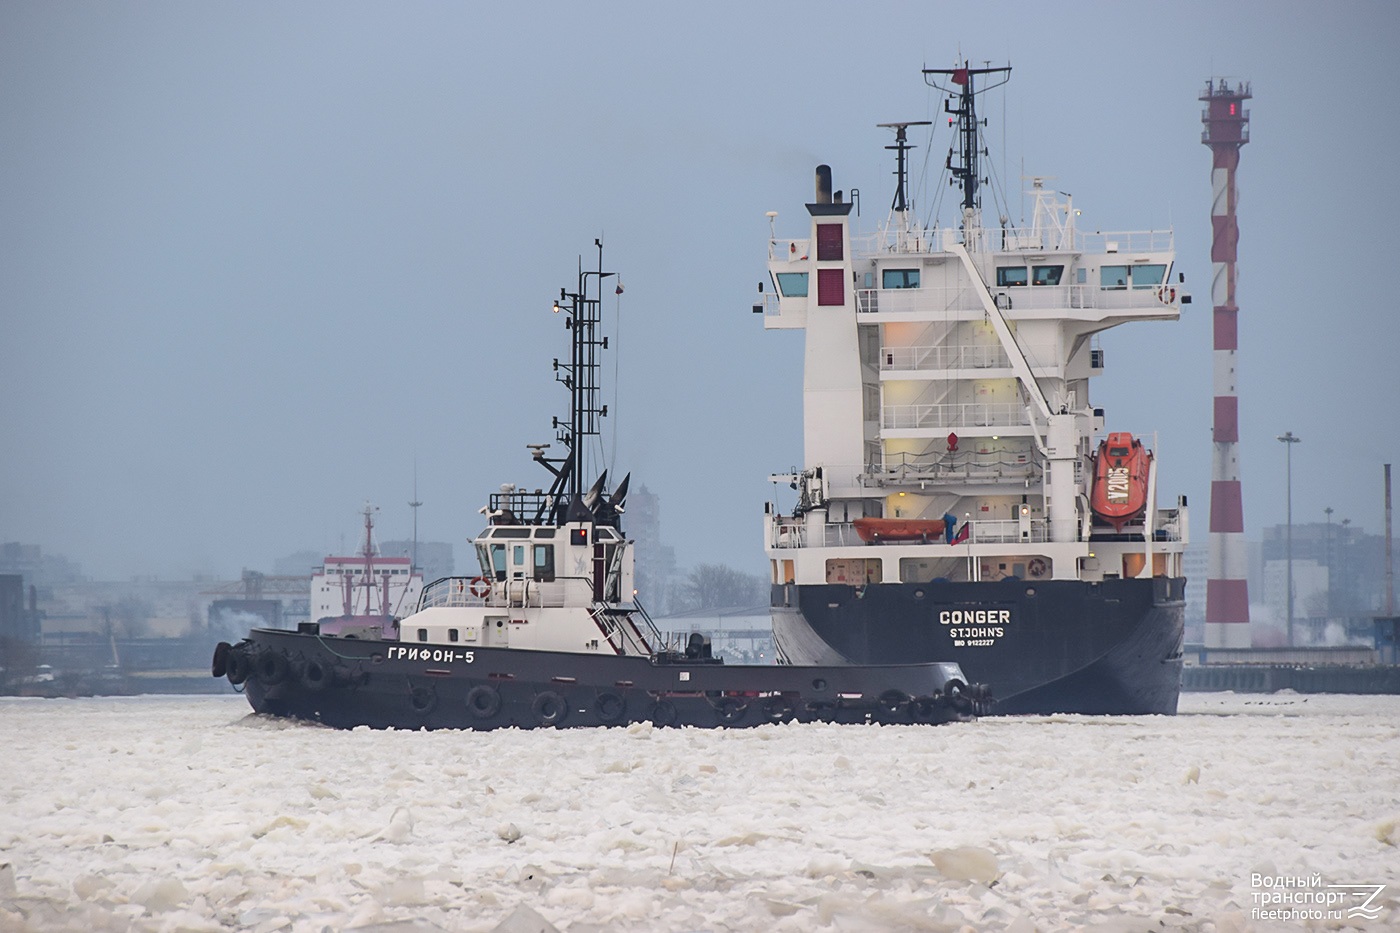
(1121, 470)
(875, 530)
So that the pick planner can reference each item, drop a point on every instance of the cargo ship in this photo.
(959, 497)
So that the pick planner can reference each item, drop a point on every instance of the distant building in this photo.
(40, 569)
(19, 618)
(655, 561)
(1196, 565)
(435, 558)
(300, 564)
(1338, 582)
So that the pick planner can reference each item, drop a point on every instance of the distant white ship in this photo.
(364, 596)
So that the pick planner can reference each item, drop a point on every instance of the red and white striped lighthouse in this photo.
(1227, 590)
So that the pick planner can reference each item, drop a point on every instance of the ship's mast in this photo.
(582, 311)
(961, 83)
(900, 205)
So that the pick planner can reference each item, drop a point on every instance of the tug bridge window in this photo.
(792, 284)
(544, 563)
(1046, 275)
(899, 278)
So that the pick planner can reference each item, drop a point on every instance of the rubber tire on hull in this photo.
(924, 709)
(271, 667)
(317, 675)
(483, 701)
(777, 709)
(610, 707)
(664, 713)
(219, 667)
(893, 701)
(549, 708)
(728, 710)
(423, 700)
(239, 666)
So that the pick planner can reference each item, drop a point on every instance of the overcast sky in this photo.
(256, 259)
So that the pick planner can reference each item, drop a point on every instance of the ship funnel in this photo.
(823, 184)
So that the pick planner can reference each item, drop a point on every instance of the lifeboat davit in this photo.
(1121, 470)
(875, 530)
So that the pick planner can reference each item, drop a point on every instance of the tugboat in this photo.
(947, 506)
(549, 632)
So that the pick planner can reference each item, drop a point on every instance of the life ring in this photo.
(1166, 294)
(271, 667)
(219, 667)
(238, 667)
(664, 713)
(1037, 567)
(729, 710)
(479, 587)
(549, 708)
(483, 701)
(777, 709)
(423, 700)
(610, 707)
(317, 675)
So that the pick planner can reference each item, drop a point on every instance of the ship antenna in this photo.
(414, 504)
(961, 84)
(901, 148)
(582, 310)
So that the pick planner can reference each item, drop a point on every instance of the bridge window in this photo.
(1011, 275)
(1149, 275)
(899, 278)
(1113, 277)
(1046, 275)
(792, 284)
(544, 563)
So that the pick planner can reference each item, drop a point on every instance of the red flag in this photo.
(960, 76)
(619, 288)
(962, 534)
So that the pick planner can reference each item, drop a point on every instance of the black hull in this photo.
(391, 685)
(1047, 646)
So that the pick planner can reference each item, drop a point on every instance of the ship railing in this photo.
(966, 467)
(785, 533)
(522, 505)
(628, 627)
(954, 415)
(1004, 531)
(1168, 525)
(1002, 239)
(944, 357)
(518, 593)
(963, 300)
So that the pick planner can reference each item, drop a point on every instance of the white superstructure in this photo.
(946, 375)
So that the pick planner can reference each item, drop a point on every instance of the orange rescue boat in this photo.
(1121, 469)
(875, 530)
